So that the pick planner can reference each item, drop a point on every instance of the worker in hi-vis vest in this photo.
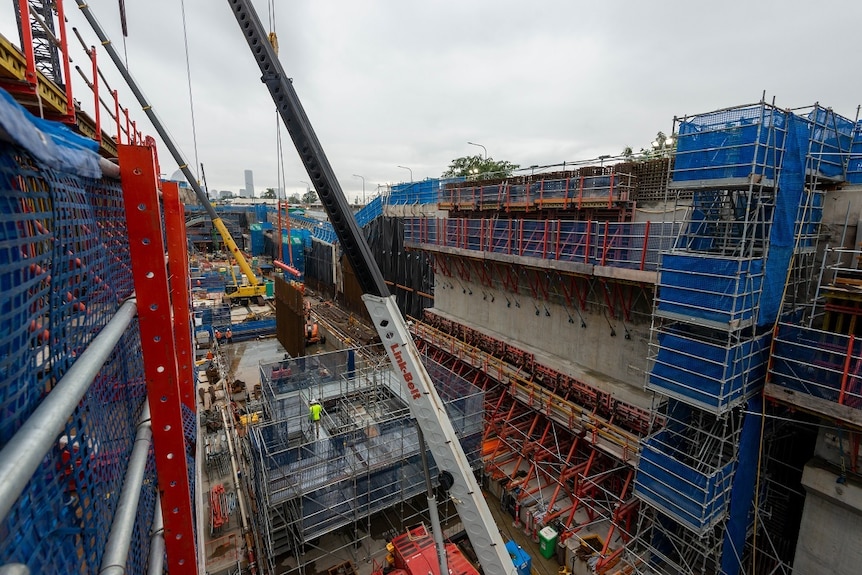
(314, 409)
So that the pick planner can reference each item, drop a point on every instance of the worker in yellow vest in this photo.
(314, 409)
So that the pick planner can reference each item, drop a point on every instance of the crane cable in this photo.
(191, 98)
(281, 193)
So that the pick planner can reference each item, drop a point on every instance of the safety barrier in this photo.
(575, 191)
(818, 363)
(616, 244)
(739, 146)
(64, 271)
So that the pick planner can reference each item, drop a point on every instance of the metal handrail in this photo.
(21, 457)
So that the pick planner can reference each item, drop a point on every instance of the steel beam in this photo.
(147, 250)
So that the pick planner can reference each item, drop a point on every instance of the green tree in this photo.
(294, 199)
(268, 194)
(662, 146)
(309, 197)
(477, 167)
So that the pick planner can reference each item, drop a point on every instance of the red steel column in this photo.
(147, 249)
(27, 41)
(178, 260)
(64, 50)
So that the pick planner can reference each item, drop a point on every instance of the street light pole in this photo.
(307, 188)
(484, 149)
(409, 170)
(363, 187)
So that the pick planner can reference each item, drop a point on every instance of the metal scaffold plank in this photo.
(147, 249)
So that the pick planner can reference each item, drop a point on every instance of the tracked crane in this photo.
(425, 405)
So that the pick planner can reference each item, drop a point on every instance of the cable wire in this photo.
(191, 98)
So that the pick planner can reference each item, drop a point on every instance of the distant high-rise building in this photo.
(249, 184)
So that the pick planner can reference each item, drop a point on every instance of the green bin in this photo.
(270, 289)
(548, 542)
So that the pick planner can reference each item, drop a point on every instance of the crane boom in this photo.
(257, 288)
(418, 389)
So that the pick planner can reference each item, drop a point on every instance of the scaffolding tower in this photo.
(311, 479)
(750, 182)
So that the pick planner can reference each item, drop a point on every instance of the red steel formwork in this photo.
(547, 431)
(164, 327)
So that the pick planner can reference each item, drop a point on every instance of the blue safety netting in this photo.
(708, 373)
(424, 192)
(64, 271)
(716, 289)
(52, 143)
(369, 212)
(788, 203)
(742, 493)
(854, 165)
(830, 136)
(730, 144)
(697, 499)
(818, 363)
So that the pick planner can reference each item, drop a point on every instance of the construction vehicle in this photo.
(456, 476)
(413, 553)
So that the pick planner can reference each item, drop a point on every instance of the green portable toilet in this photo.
(270, 289)
(548, 542)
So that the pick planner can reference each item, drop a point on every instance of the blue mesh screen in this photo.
(854, 166)
(732, 143)
(712, 375)
(693, 498)
(64, 270)
(714, 289)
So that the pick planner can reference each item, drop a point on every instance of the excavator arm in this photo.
(418, 389)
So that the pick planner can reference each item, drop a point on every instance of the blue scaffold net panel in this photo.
(729, 144)
(708, 373)
(714, 289)
(417, 193)
(693, 498)
(830, 138)
(782, 237)
(813, 362)
(64, 271)
(742, 493)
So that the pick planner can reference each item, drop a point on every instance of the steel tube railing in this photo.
(116, 553)
(156, 562)
(21, 457)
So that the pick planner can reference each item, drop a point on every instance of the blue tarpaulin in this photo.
(51, 142)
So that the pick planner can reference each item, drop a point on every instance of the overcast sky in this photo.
(388, 83)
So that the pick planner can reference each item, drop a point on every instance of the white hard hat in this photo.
(314, 400)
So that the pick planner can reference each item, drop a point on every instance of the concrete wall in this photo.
(831, 529)
(592, 348)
